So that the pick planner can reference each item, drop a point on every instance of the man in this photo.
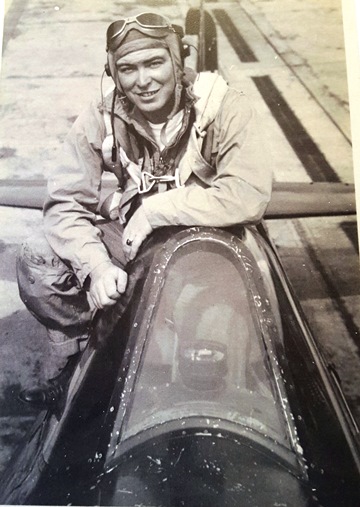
(186, 150)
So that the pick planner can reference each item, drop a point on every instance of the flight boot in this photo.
(52, 393)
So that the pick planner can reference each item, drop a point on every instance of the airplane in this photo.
(209, 390)
(205, 386)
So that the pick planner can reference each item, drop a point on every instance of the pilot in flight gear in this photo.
(185, 148)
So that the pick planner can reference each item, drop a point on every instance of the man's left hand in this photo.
(135, 233)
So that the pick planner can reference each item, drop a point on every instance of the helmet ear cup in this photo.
(184, 47)
(185, 51)
(107, 69)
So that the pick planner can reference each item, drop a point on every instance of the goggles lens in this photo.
(144, 20)
(152, 20)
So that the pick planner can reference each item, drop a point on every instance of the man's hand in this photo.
(108, 282)
(135, 232)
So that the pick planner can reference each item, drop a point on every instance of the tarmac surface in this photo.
(53, 57)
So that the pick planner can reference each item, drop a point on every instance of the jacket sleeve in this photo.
(73, 196)
(241, 189)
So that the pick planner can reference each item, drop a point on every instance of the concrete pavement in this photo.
(52, 64)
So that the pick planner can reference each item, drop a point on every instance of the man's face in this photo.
(147, 79)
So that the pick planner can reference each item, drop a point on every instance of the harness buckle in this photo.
(148, 181)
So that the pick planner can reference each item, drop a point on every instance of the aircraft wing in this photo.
(23, 193)
(289, 200)
(296, 200)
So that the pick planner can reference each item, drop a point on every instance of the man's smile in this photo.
(147, 94)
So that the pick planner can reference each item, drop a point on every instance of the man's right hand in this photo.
(108, 282)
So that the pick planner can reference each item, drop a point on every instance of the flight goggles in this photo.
(146, 21)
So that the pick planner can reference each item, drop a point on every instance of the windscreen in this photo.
(204, 354)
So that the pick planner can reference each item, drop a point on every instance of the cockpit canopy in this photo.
(204, 353)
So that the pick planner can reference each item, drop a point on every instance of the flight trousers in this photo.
(52, 293)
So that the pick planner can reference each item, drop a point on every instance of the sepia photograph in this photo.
(179, 253)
